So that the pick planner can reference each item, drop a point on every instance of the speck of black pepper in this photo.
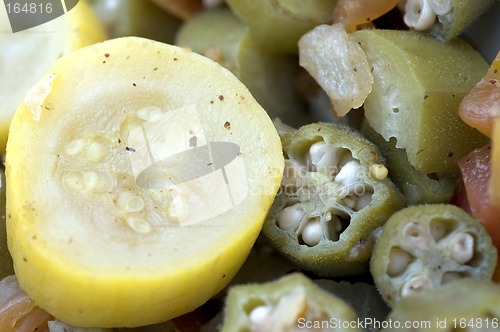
(355, 69)
(106, 55)
(227, 125)
(175, 59)
(119, 141)
(155, 68)
(130, 149)
(211, 101)
(426, 96)
(221, 97)
(134, 84)
(450, 154)
(104, 61)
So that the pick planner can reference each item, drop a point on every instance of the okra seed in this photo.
(290, 217)
(441, 7)
(139, 225)
(312, 233)
(419, 14)
(363, 201)
(96, 182)
(414, 235)
(349, 173)
(398, 261)
(150, 113)
(259, 316)
(416, 285)
(438, 230)
(462, 248)
(378, 172)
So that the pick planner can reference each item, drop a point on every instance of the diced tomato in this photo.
(473, 194)
(481, 105)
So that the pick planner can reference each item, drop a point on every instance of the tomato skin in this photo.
(473, 194)
(475, 169)
(481, 106)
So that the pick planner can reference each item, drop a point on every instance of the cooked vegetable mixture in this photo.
(251, 166)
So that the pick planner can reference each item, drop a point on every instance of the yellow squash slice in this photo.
(27, 54)
(138, 178)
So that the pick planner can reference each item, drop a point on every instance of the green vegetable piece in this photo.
(140, 18)
(425, 246)
(6, 265)
(416, 187)
(334, 194)
(418, 85)
(277, 25)
(443, 19)
(221, 36)
(464, 305)
(291, 303)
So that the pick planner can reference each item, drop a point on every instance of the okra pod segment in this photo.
(423, 247)
(465, 305)
(417, 187)
(444, 19)
(291, 303)
(335, 192)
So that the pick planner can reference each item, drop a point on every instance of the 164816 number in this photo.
(29, 8)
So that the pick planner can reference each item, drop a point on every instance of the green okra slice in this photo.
(418, 85)
(464, 305)
(416, 187)
(335, 192)
(291, 303)
(423, 247)
(277, 25)
(443, 19)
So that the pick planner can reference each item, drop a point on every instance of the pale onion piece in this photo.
(17, 311)
(441, 7)
(339, 66)
(419, 15)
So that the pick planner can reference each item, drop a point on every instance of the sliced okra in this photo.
(335, 192)
(291, 303)
(417, 187)
(444, 19)
(423, 247)
(468, 304)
